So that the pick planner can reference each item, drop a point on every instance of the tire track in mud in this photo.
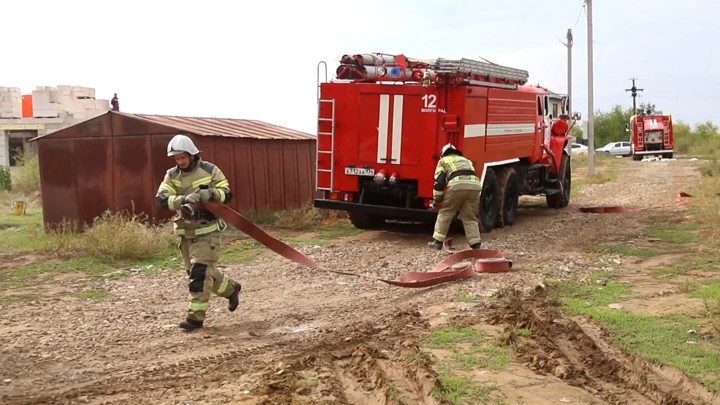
(377, 362)
(214, 367)
(127, 381)
(389, 369)
(373, 366)
(582, 356)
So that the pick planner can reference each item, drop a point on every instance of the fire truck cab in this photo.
(650, 134)
(382, 122)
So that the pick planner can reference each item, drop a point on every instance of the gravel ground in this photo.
(102, 351)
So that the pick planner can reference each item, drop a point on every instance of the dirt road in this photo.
(302, 336)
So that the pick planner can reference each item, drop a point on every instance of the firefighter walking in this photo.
(457, 174)
(190, 183)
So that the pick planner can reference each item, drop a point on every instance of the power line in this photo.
(582, 8)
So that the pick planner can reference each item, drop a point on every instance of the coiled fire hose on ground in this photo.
(453, 268)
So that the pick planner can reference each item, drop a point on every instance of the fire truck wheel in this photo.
(363, 220)
(509, 194)
(637, 158)
(489, 197)
(561, 200)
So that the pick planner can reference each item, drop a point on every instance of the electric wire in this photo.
(582, 10)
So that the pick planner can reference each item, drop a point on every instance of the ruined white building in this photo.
(46, 110)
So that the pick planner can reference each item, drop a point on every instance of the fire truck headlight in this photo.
(380, 178)
(393, 179)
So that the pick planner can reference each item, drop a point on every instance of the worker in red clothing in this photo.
(115, 103)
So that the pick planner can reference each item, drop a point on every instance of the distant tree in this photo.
(683, 135)
(647, 106)
(706, 130)
(577, 131)
(610, 126)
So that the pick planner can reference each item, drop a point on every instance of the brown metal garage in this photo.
(117, 160)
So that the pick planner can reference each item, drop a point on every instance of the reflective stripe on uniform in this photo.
(199, 231)
(439, 237)
(198, 306)
(452, 163)
(168, 188)
(201, 182)
(222, 183)
(223, 285)
(171, 200)
(471, 180)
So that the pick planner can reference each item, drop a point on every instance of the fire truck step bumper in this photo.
(653, 152)
(398, 212)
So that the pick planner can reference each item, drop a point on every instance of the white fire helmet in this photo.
(446, 148)
(180, 144)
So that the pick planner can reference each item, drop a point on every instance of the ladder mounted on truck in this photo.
(377, 67)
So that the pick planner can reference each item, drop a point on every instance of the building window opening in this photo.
(17, 150)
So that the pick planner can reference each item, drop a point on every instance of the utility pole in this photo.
(569, 45)
(634, 91)
(591, 107)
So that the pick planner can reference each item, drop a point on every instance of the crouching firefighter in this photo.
(457, 174)
(184, 188)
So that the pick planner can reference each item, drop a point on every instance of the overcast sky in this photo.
(257, 60)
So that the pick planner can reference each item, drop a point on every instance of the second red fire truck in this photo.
(382, 122)
(651, 134)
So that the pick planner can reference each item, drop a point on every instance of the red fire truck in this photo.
(650, 134)
(382, 122)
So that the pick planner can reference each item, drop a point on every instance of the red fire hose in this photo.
(486, 261)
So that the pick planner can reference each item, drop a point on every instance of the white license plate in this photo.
(356, 171)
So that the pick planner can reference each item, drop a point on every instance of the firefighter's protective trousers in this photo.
(200, 234)
(458, 188)
(200, 256)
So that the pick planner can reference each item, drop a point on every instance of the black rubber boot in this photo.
(435, 244)
(476, 246)
(190, 324)
(234, 299)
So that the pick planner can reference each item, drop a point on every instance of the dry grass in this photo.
(118, 236)
(304, 218)
(711, 169)
(606, 170)
(113, 236)
(26, 176)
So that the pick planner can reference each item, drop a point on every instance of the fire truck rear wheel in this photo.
(362, 220)
(562, 199)
(487, 217)
(509, 195)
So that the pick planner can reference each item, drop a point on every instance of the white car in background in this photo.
(615, 149)
(578, 149)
